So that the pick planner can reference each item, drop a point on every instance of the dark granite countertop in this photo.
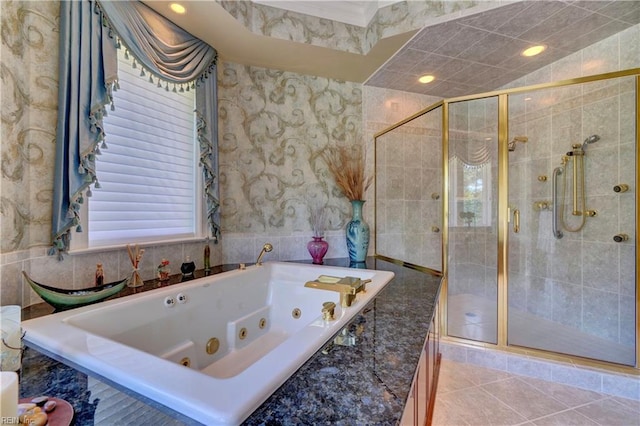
(366, 383)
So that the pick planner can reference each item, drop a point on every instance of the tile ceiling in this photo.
(481, 52)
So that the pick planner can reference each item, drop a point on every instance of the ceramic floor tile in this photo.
(469, 395)
(565, 418)
(631, 404)
(451, 377)
(470, 374)
(568, 395)
(609, 412)
(445, 414)
(524, 398)
(474, 406)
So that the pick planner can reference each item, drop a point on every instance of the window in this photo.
(149, 174)
(472, 194)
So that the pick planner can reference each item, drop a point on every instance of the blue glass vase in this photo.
(357, 234)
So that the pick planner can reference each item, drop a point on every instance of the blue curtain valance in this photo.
(161, 46)
(87, 76)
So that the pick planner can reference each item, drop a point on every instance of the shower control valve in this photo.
(619, 238)
(623, 187)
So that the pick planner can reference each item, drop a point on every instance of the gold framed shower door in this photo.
(503, 218)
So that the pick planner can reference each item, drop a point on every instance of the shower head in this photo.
(512, 144)
(591, 139)
(265, 249)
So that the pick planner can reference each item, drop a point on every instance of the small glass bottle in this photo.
(99, 275)
(207, 259)
(163, 270)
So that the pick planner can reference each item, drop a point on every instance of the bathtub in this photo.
(213, 349)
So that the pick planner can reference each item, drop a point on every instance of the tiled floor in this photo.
(471, 395)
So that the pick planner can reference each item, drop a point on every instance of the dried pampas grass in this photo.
(347, 164)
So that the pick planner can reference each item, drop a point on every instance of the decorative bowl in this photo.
(63, 299)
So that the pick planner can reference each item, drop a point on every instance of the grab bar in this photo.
(557, 233)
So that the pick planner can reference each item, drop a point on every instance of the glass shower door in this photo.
(472, 303)
(571, 251)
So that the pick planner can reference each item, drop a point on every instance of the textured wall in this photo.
(400, 17)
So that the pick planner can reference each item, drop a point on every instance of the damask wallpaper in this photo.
(28, 72)
(397, 18)
(274, 126)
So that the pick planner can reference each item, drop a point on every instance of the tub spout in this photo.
(265, 249)
(348, 287)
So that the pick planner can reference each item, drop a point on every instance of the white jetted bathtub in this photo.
(213, 349)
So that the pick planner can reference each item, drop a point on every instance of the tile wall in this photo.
(409, 191)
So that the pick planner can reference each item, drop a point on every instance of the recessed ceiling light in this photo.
(426, 79)
(178, 8)
(534, 50)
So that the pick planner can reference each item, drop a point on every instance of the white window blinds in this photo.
(148, 174)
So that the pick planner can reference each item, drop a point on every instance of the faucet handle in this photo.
(355, 284)
(328, 311)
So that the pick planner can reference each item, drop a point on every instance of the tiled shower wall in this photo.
(584, 281)
(409, 191)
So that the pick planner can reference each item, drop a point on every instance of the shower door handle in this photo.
(557, 233)
(516, 220)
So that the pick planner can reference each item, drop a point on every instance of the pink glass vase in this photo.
(317, 249)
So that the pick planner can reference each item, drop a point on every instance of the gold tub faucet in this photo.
(348, 287)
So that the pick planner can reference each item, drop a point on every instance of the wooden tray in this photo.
(62, 415)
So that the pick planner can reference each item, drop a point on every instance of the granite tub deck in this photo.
(367, 383)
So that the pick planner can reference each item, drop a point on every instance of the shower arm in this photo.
(557, 233)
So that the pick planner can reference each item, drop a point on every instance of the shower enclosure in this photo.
(539, 214)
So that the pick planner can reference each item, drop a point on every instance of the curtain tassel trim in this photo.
(177, 86)
(86, 168)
